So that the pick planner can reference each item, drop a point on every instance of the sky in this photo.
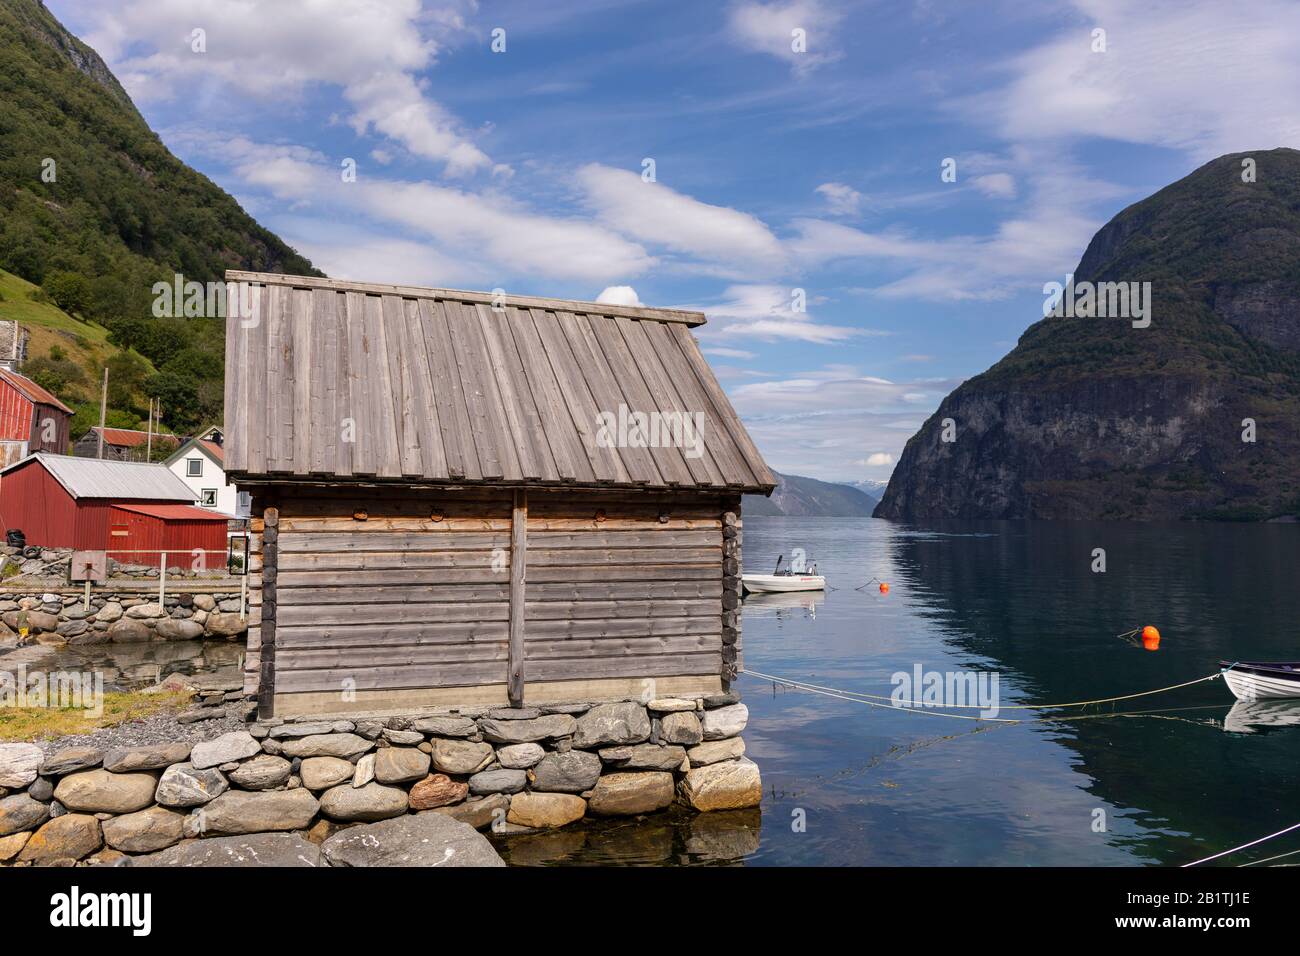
(865, 197)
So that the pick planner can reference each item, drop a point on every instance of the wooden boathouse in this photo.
(462, 499)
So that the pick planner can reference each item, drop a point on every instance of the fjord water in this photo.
(880, 786)
(848, 784)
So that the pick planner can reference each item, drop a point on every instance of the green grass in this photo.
(18, 304)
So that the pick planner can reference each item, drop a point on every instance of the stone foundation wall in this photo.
(355, 792)
(60, 617)
(50, 565)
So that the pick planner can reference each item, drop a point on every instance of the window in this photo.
(209, 497)
(193, 467)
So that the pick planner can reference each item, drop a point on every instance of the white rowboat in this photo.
(768, 583)
(1261, 680)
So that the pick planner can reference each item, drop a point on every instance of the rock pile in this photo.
(396, 791)
(61, 617)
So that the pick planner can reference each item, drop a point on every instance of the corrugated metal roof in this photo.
(175, 512)
(348, 380)
(130, 437)
(31, 391)
(123, 480)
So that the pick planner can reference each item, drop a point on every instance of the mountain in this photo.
(94, 210)
(1093, 418)
(797, 495)
(869, 487)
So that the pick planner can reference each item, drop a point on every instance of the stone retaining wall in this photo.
(400, 791)
(121, 616)
(51, 565)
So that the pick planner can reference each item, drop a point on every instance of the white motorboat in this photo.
(778, 580)
(768, 583)
(1262, 680)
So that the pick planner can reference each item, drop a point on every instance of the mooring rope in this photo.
(920, 704)
(1244, 846)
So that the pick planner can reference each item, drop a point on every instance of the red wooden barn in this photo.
(31, 419)
(132, 510)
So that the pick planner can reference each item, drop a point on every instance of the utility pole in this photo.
(148, 447)
(103, 411)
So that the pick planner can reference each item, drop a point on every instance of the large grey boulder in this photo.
(498, 781)
(715, 751)
(460, 756)
(179, 630)
(321, 773)
(449, 726)
(401, 765)
(372, 802)
(729, 785)
(725, 722)
(236, 812)
(527, 731)
(69, 837)
(520, 756)
(571, 772)
(264, 772)
(144, 831)
(183, 786)
(623, 723)
(132, 759)
(236, 745)
(258, 849)
(70, 760)
(327, 745)
(680, 728)
(19, 764)
(419, 839)
(20, 812)
(624, 794)
(644, 757)
(100, 791)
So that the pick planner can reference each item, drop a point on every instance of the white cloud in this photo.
(1187, 74)
(653, 213)
(724, 352)
(619, 295)
(769, 28)
(834, 422)
(766, 312)
(841, 200)
(489, 233)
(997, 185)
(273, 51)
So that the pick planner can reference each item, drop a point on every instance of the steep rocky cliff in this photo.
(1093, 418)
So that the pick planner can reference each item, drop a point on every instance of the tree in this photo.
(68, 290)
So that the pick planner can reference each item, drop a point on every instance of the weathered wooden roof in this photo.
(351, 381)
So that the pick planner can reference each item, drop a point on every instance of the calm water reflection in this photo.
(883, 787)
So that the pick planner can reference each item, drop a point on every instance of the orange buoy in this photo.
(884, 587)
(1151, 638)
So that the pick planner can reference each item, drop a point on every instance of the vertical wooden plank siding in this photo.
(518, 574)
(270, 565)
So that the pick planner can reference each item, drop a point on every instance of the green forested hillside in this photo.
(94, 210)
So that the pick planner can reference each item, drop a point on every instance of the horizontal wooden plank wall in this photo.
(417, 595)
(626, 586)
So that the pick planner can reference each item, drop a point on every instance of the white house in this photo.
(200, 463)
